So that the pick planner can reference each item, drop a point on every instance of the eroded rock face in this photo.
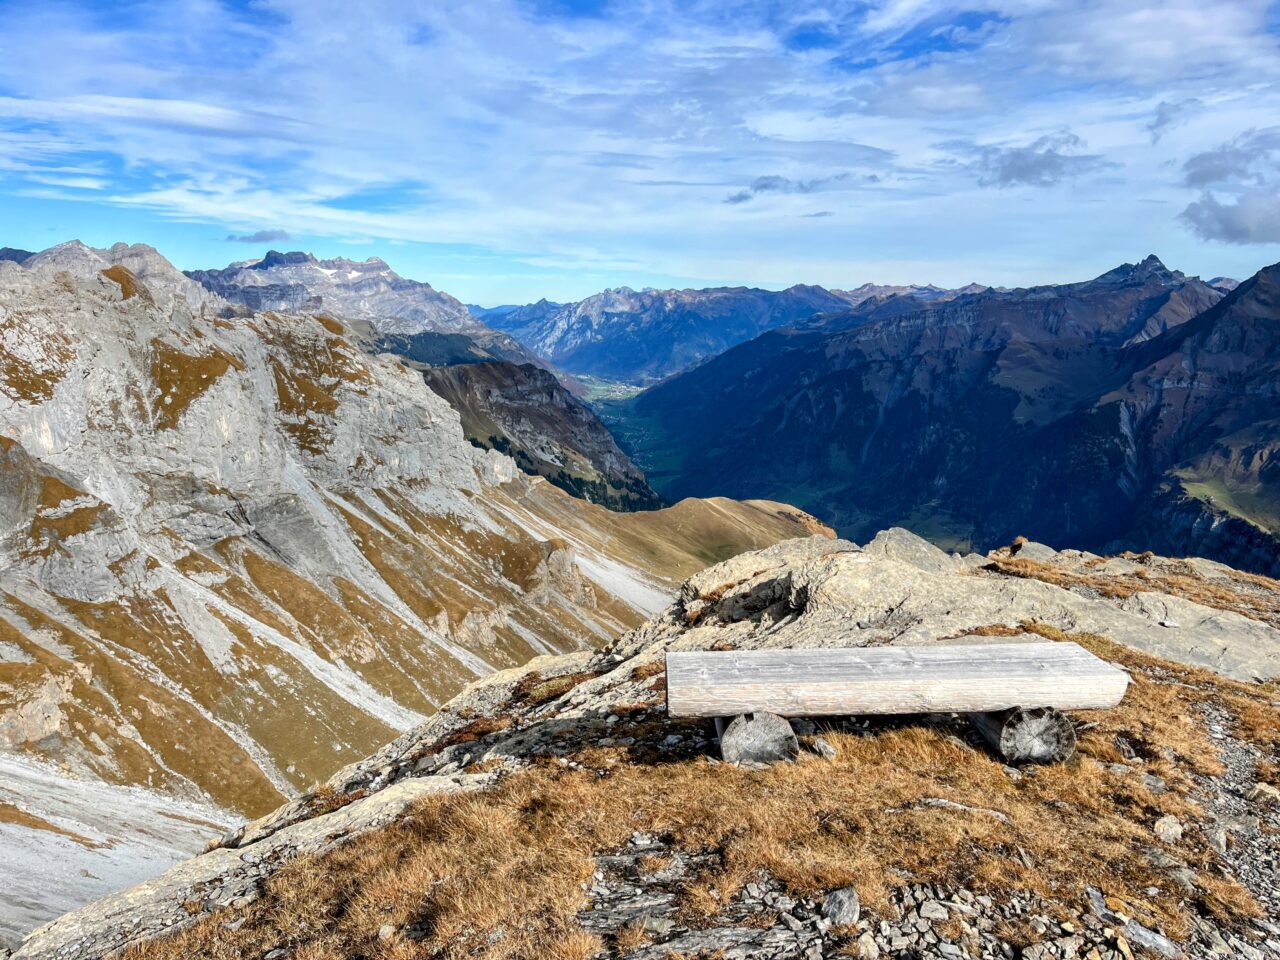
(237, 552)
(801, 593)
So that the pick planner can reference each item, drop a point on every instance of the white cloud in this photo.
(1252, 217)
(615, 140)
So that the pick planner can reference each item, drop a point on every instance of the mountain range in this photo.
(880, 404)
(238, 550)
(642, 336)
(396, 310)
(255, 522)
(1132, 410)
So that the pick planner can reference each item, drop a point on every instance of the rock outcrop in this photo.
(693, 855)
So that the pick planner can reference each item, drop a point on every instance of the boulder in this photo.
(842, 907)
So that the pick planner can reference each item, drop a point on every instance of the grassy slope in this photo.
(517, 859)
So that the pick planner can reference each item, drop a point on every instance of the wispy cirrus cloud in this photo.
(529, 137)
(777, 184)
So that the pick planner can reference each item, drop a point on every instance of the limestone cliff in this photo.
(237, 552)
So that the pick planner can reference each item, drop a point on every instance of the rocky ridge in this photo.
(237, 551)
(642, 336)
(608, 829)
(366, 291)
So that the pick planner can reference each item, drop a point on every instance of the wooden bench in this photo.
(1014, 693)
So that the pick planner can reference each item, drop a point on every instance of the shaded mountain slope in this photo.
(556, 810)
(526, 413)
(1054, 412)
(237, 552)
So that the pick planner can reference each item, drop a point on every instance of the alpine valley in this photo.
(1133, 411)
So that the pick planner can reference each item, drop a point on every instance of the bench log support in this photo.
(757, 738)
(1037, 735)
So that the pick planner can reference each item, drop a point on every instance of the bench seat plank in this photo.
(950, 678)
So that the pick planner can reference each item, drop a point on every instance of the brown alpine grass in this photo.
(503, 873)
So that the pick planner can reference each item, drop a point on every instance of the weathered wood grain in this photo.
(758, 738)
(1035, 735)
(961, 678)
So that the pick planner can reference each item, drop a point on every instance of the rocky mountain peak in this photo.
(164, 282)
(363, 290)
(68, 255)
(1149, 270)
(274, 258)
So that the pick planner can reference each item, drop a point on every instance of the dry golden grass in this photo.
(325, 799)
(654, 863)
(330, 324)
(477, 728)
(130, 286)
(631, 936)
(1252, 596)
(516, 858)
(22, 818)
(50, 526)
(180, 379)
(647, 670)
(1269, 771)
(34, 376)
(533, 690)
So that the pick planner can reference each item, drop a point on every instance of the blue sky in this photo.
(506, 151)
